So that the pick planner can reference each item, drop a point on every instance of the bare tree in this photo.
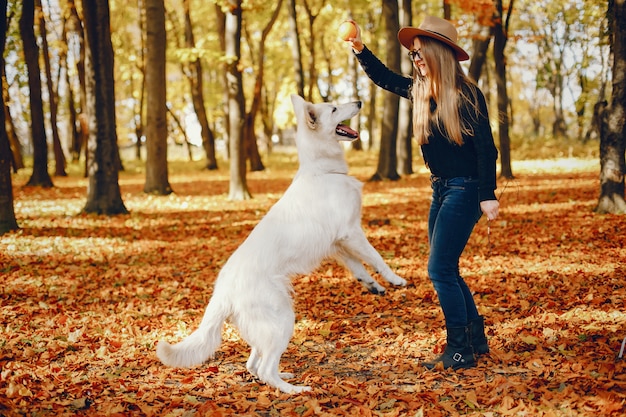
(69, 29)
(17, 160)
(501, 29)
(103, 191)
(59, 155)
(7, 209)
(405, 136)
(371, 120)
(73, 35)
(40, 175)
(157, 181)
(139, 104)
(238, 189)
(387, 158)
(220, 27)
(311, 40)
(613, 119)
(480, 46)
(252, 149)
(194, 75)
(355, 122)
(296, 52)
(554, 37)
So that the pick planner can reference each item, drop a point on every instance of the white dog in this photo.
(318, 217)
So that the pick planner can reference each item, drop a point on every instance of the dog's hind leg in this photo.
(268, 327)
(268, 373)
(253, 365)
(358, 246)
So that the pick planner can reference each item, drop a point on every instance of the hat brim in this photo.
(407, 34)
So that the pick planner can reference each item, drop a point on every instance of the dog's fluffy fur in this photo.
(318, 217)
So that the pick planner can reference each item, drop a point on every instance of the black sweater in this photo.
(445, 159)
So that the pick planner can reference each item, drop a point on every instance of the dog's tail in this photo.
(200, 345)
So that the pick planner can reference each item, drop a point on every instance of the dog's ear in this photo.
(311, 116)
(296, 100)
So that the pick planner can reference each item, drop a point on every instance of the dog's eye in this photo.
(334, 109)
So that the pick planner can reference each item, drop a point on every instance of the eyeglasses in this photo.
(416, 54)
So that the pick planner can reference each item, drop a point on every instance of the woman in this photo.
(451, 125)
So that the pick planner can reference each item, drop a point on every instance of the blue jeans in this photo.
(454, 211)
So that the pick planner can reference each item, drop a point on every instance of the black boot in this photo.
(458, 352)
(477, 336)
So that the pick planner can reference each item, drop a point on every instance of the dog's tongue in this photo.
(346, 132)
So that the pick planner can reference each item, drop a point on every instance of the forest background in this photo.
(87, 296)
(557, 55)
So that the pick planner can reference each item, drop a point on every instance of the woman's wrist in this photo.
(357, 47)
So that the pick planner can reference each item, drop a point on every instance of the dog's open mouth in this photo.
(346, 132)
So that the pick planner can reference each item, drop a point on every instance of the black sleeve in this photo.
(486, 152)
(383, 76)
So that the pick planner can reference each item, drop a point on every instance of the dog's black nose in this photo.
(358, 103)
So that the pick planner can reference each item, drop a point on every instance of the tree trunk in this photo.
(197, 94)
(296, 52)
(613, 119)
(250, 144)
(220, 27)
(252, 153)
(17, 160)
(387, 159)
(311, 41)
(593, 132)
(73, 132)
(559, 127)
(103, 191)
(355, 123)
(405, 134)
(40, 176)
(267, 111)
(157, 181)
(499, 42)
(447, 9)
(328, 83)
(7, 209)
(138, 105)
(370, 122)
(59, 155)
(238, 189)
(180, 126)
(71, 23)
(74, 26)
(480, 48)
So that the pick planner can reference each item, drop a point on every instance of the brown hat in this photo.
(436, 28)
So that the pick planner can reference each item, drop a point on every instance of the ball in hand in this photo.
(347, 30)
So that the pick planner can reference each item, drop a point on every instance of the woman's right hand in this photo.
(356, 42)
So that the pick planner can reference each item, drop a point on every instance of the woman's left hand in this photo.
(490, 208)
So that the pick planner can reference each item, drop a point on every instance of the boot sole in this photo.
(430, 366)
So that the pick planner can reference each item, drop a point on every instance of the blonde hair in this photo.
(444, 84)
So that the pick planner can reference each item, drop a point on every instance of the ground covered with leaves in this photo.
(85, 298)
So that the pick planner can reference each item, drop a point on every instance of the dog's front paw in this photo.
(374, 287)
(396, 280)
(378, 290)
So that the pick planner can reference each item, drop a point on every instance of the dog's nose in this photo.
(358, 103)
